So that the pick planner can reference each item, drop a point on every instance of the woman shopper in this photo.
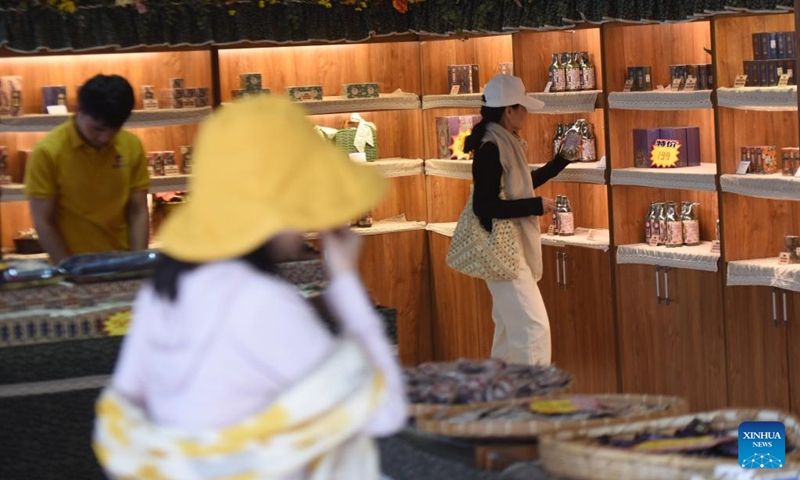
(226, 371)
(522, 329)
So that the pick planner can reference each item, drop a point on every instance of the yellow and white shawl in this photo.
(314, 428)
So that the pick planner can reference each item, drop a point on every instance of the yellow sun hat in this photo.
(258, 169)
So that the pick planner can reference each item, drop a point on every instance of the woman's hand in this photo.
(548, 205)
(340, 251)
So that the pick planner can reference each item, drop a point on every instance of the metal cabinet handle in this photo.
(774, 308)
(558, 269)
(785, 316)
(658, 285)
(564, 263)
(666, 284)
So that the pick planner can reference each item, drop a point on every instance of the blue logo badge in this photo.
(762, 445)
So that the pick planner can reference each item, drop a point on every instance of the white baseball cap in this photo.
(505, 91)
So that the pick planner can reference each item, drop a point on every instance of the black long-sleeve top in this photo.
(487, 171)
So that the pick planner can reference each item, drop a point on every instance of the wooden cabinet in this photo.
(792, 315)
(671, 337)
(576, 286)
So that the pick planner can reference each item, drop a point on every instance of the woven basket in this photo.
(438, 424)
(345, 137)
(574, 454)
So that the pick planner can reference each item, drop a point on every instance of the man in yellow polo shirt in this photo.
(87, 180)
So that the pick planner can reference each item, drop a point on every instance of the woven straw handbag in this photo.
(475, 252)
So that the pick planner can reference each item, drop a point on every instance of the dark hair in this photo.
(488, 115)
(169, 270)
(107, 98)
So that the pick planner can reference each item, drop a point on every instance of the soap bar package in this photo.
(361, 90)
(643, 141)
(250, 82)
(451, 132)
(155, 164)
(170, 165)
(467, 77)
(202, 100)
(149, 100)
(54, 95)
(176, 83)
(305, 94)
(189, 99)
(11, 95)
(186, 158)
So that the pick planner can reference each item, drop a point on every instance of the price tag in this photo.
(744, 166)
(548, 87)
(551, 230)
(149, 104)
(660, 88)
(797, 173)
(741, 81)
(57, 110)
(654, 240)
(676, 84)
(665, 153)
(691, 83)
(628, 85)
(455, 89)
(784, 258)
(784, 80)
(590, 235)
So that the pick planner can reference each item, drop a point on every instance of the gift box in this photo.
(643, 141)
(692, 148)
(202, 97)
(305, 94)
(5, 175)
(171, 98)
(361, 90)
(250, 82)
(155, 164)
(465, 76)
(763, 159)
(186, 158)
(54, 95)
(170, 165)
(11, 95)
(451, 132)
(678, 134)
(176, 83)
(149, 100)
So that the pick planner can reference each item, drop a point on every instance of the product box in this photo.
(189, 99)
(305, 94)
(237, 93)
(640, 81)
(361, 90)
(764, 42)
(171, 98)
(643, 141)
(692, 148)
(250, 82)
(749, 68)
(789, 44)
(170, 165)
(763, 73)
(632, 77)
(763, 159)
(467, 78)
(176, 83)
(451, 132)
(781, 44)
(678, 134)
(186, 158)
(202, 99)
(155, 164)
(710, 76)
(11, 95)
(22, 162)
(790, 161)
(54, 95)
(505, 68)
(149, 100)
(772, 46)
(5, 174)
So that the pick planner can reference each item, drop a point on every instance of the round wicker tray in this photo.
(437, 424)
(574, 454)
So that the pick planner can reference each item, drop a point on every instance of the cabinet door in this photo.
(638, 316)
(588, 338)
(758, 369)
(793, 331)
(553, 295)
(691, 350)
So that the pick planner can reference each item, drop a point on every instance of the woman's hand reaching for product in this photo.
(548, 205)
(340, 251)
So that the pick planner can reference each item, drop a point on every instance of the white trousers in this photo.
(521, 326)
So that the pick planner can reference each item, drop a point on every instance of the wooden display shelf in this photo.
(686, 178)
(14, 192)
(386, 101)
(458, 169)
(398, 167)
(138, 119)
(379, 228)
(697, 257)
(443, 228)
(764, 272)
(775, 186)
(464, 100)
(555, 103)
(739, 128)
(580, 172)
(759, 98)
(660, 100)
(600, 239)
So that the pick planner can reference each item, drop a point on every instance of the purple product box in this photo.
(451, 132)
(756, 46)
(772, 71)
(643, 140)
(772, 45)
(679, 134)
(692, 148)
(465, 76)
(632, 76)
(54, 95)
(780, 38)
(764, 43)
(790, 46)
(710, 75)
(763, 73)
